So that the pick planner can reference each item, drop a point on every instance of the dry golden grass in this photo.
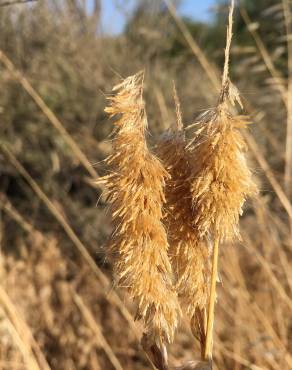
(58, 307)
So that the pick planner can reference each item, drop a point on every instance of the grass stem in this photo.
(211, 308)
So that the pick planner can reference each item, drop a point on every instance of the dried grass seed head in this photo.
(189, 256)
(135, 191)
(221, 178)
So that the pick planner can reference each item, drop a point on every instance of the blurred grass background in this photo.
(58, 60)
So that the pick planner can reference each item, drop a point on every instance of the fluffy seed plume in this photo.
(135, 192)
(189, 255)
(222, 179)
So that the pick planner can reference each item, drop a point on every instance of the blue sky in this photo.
(113, 18)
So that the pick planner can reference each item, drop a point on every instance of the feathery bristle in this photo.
(189, 255)
(221, 179)
(135, 191)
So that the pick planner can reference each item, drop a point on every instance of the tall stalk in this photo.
(211, 308)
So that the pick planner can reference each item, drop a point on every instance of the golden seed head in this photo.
(189, 256)
(221, 178)
(136, 194)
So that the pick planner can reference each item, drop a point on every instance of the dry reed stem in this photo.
(49, 114)
(276, 75)
(269, 173)
(15, 2)
(288, 152)
(203, 60)
(269, 272)
(274, 142)
(26, 342)
(211, 308)
(29, 360)
(237, 275)
(135, 192)
(261, 206)
(14, 214)
(239, 359)
(179, 123)
(88, 316)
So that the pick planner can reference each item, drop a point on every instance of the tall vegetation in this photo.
(62, 262)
